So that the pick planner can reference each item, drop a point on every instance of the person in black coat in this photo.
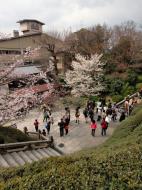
(61, 125)
(122, 117)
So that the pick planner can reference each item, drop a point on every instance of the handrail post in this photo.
(51, 141)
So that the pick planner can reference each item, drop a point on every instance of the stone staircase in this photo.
(22, 157)
(18, 154)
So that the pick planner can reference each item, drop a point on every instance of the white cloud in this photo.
(65, 13)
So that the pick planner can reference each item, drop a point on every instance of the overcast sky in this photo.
(64, 14)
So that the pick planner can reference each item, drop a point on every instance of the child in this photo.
(93, 127)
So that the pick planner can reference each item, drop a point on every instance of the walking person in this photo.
(126, 106)
(108, 120)
(91, 114)
(104, 127)
(85, 113)
(122, 117)
(67, 109)
(36, 124)
(61, 125)
(48, 125)
(46, 116)
(93, 127)
(99, 114)
(114, 115)
(66, 120)
(77, 114)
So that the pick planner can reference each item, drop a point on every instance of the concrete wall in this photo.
(21, 42)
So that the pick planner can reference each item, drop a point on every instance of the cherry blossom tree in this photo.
(86, 76)
(18, 103)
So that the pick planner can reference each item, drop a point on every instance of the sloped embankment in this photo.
(117, 164)
(12, 135)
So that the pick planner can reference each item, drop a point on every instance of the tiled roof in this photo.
(34, 89)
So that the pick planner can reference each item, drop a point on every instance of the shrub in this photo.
(139, 78)
(94, 98)
(138, 86)
(117, 98)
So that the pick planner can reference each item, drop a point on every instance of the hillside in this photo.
(11, 135)
(117, 164)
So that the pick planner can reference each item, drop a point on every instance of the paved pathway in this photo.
(79, 136)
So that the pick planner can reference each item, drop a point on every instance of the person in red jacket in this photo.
(93, 127)
(104, 127)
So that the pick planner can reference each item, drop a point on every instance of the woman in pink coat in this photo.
(93, 127)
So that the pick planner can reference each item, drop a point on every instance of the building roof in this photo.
(22, 36)
(34, 89)
(26, 70)
(30, 20)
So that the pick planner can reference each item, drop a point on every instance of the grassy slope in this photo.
(117, 164)
(11, 135)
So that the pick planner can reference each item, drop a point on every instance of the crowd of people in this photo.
(94, 113)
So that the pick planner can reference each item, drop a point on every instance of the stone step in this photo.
(48, 152)
(18, 158)
(3, 162)
(42, 152)
(37, 154)
(10, 160)
(54, 152)
(31, 155)
(24, 157)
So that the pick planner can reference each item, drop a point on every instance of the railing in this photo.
(20, 146)
(131, 96)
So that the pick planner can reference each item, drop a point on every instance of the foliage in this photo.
(139, 86)
(11, 135)
(132, 78)
(86, 76)
(74, 101)
(94, 98)
(140, 78)
(127, 90)
(116, 86)
(117, 98)
(117, 164)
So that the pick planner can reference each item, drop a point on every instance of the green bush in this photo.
(140, 78)
(117, 98)
(138, 86)
(128, 90)
(94, 98)
(75, 101)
